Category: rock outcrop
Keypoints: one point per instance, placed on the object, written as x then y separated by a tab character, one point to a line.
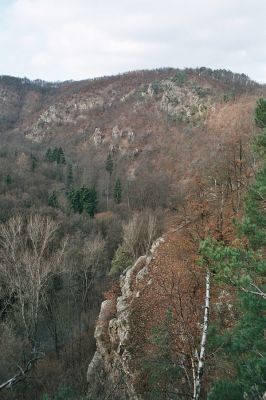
186	103
110	372
62	114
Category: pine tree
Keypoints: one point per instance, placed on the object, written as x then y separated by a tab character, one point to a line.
109	165
260	113
52	200
49	155
245	349
69	178
8	179
75	200
60	156
260	145
89	199
83	199
118	191
33	162
55	155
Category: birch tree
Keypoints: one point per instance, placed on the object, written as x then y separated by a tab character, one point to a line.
197	381
28	261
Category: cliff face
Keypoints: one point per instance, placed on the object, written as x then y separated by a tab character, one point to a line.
110	373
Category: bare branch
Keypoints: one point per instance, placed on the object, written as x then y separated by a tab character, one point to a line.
22	374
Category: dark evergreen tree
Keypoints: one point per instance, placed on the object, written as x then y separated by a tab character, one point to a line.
75	200
245	349
89	198
69	177
109	165
260	113
60	156
49	155
83	199
55	155
33	162
8	179
52	200
118	191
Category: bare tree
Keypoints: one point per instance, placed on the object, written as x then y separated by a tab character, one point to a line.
140	232
93	252
27	263
22	372
131	235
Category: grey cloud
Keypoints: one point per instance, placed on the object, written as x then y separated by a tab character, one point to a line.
64	39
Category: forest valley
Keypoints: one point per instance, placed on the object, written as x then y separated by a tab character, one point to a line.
132	237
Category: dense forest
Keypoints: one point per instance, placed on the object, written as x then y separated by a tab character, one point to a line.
92	174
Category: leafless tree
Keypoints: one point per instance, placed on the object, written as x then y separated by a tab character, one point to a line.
22	372
139	233
28	261
93	251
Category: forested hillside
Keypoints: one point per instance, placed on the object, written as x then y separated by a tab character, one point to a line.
93	173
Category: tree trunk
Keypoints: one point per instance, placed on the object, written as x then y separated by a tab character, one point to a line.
201	357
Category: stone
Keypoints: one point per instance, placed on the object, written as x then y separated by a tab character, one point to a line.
97	137
112	358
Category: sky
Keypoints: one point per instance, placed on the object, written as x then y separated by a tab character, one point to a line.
80	39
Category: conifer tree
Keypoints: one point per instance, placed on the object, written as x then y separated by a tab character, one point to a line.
52	200
83	199
75	200
49	155
60	156
69	178
8	179
118	191
260	113
33	162
109	165
89	198
55	155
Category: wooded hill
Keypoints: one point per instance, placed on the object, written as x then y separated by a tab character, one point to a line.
92	172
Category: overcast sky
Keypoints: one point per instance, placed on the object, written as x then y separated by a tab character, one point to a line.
79	39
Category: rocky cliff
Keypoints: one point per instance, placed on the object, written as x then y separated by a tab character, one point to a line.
110	373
